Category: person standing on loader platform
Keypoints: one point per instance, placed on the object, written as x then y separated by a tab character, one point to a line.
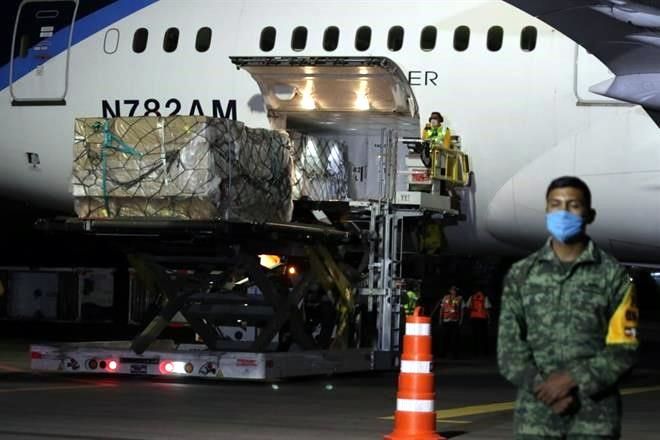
478	310
568	327
436	132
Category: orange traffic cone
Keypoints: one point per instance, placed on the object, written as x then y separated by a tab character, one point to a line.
414	418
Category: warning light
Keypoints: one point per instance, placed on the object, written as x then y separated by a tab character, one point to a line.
175	367
167	367
292	270
113	365
269	261
92	364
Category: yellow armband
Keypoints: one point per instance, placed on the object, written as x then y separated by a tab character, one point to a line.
624	321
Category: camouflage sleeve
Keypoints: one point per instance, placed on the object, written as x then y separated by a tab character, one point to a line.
514	355
621	349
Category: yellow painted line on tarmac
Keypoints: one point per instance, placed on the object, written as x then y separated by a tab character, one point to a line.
10	369
448	414
629	391
474	410
49	388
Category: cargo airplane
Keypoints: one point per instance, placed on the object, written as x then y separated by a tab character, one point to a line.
535	89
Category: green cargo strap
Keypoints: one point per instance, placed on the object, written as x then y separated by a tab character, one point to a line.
109	141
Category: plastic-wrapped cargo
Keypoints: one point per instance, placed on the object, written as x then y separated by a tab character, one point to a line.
319	167
186	167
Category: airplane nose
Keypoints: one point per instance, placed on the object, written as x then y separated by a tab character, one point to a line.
501	220
516	213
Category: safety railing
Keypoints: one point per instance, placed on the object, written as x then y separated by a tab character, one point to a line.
449	164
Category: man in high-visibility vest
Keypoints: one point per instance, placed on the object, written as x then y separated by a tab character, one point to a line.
478	310
439	135
450	319
436	132
410	301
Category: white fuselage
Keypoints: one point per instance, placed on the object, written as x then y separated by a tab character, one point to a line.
525	117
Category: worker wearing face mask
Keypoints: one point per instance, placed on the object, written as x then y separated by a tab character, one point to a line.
568	327
436	132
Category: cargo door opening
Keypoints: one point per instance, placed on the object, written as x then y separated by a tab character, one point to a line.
351	106
338	106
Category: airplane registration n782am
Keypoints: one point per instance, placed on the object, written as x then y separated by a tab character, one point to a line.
531	87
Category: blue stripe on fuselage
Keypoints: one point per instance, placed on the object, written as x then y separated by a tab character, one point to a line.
83	28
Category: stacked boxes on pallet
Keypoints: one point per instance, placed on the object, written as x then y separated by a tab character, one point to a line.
182	167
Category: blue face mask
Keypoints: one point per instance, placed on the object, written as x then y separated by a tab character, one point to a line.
564	225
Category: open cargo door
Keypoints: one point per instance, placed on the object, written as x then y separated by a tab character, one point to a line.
353	93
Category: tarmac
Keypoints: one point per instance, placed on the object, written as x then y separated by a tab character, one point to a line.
472	401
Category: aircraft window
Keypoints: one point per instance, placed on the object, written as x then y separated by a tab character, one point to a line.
528	38
461	38
111	41
395	38
140	40
267	40
495	37
171	40
203	40
331	38
428	38
299	38
363	38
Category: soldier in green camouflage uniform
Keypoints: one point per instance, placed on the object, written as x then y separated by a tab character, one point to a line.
567	329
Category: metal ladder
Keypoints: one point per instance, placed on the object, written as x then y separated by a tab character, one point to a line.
385	253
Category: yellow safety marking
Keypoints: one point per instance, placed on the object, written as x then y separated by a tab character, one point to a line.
475	410
447	414
629	391
470	410
10	369
51	388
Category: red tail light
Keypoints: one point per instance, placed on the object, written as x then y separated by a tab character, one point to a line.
166	367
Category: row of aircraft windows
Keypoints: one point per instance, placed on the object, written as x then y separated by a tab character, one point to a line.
427	41
171	40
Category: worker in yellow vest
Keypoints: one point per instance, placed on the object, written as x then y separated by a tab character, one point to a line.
478	310
436	132
410	301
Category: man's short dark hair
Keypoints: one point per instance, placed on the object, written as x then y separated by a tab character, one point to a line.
571	182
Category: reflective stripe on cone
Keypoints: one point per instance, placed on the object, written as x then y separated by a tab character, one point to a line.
413	405
415	329
416	366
